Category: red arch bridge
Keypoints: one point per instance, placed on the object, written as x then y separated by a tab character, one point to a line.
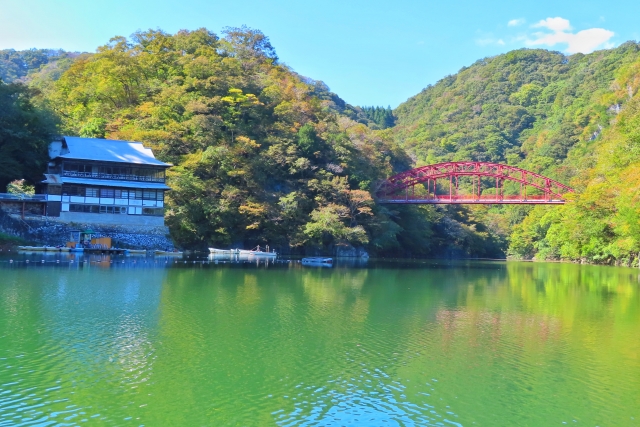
471	183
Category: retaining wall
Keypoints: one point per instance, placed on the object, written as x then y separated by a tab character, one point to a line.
42	230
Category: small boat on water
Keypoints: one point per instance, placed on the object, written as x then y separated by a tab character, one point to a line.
136	251
243	252
317	261
258	252
171	253
43	249
224	251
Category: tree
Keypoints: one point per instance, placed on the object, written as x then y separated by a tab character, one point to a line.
249	44
326	226
25	132
358	202
21	189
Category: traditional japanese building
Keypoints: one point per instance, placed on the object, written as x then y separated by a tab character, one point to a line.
105	181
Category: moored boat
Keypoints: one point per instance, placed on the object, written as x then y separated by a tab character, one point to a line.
318	261
261	253
172	253
136	251
224	251
257	252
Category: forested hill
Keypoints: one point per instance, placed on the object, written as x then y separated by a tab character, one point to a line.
262	155
24	65
573	118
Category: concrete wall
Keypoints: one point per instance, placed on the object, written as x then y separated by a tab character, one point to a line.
44	231
110	219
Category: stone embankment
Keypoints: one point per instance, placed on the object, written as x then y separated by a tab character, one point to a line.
45	231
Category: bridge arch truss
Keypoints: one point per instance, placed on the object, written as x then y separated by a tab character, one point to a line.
401	188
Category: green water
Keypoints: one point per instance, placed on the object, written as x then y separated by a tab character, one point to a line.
419	344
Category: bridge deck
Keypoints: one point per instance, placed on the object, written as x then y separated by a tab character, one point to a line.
445	199
401	188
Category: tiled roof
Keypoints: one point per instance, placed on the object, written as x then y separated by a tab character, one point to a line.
108	150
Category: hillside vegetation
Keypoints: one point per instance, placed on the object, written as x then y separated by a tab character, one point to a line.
25	65
261	154
264	155
572	118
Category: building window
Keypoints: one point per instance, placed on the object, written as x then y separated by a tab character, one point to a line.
107	193
160	196
91	191
83	208
113	209
149	194
122	194
55	190
73	190
77	167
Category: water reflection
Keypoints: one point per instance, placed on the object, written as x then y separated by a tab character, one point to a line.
421	343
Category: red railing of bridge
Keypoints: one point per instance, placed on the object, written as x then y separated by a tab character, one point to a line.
401	188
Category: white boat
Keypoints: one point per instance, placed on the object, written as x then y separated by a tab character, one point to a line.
257	252
136	251
318	261
224	251
170	253
261	253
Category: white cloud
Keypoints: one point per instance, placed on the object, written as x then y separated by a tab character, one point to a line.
554	24
515	22
584	41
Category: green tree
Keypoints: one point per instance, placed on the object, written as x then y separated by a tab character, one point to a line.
25	132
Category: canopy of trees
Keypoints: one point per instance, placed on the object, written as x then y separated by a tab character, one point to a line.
261	154
21	65
264	155
571	118
25	133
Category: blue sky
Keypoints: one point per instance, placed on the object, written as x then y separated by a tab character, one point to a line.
368	52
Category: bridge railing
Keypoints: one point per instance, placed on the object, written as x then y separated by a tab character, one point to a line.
469	198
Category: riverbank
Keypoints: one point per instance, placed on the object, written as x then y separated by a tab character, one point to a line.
44	231
10	243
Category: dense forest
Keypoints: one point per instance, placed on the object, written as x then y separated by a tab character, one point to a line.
261	154
264	155
572	118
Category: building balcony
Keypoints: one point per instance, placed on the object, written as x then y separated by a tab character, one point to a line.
23	198
140	178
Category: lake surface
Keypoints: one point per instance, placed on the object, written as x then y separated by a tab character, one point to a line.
158	343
